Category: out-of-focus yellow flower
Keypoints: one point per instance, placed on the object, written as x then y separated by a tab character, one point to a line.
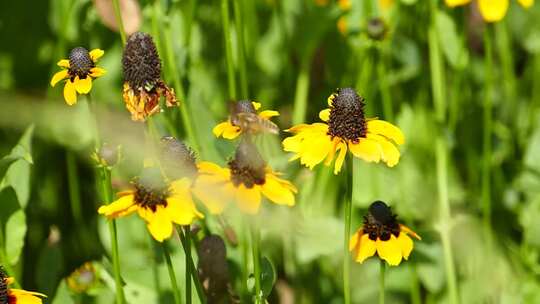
83	278
245	119
16	296
79	71
386	4
344	5
246	179
382	234
342	25
321	2
491	10
345	127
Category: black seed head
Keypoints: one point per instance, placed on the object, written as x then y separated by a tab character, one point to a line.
347	119
380	222
248	166
80	62
177	159
376	29
140	62
150	189
381	212
3	287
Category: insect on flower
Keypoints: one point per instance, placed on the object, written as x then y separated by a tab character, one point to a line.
245	119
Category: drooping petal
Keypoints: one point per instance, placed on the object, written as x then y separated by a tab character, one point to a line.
341	157
227	130
25	297
256	105
64	63
83	86
212	195
366	249
408	230
182	210
158	222
406	244
59	76
454	3
95	54
389	250
70	94
266	114
248	199
390	154
332	153
123	206
355	239
493	10
330	99
366	149
324	115
526	3
386	129
277	192
97	72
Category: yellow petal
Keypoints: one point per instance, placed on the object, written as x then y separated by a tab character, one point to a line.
213	197
389	250
97	72
332	152
182	210
70	94
367	149
366	249
408	230
493	10
387	4
256	105
120	207
341	157
387	130
248	200
266	114
292	143
25	297
330	99
406	244
454	3
526	3
276	191
95	54
158	222
324	115
83	86
227	130
64	63
59	76
390	154
355	238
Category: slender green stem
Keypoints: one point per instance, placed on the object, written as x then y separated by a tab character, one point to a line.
172	275
74	189
486	157
228	48
507	61
238	5
381	281
195	277
301	94
255	240
347	233
415	285
189	269
118	15
384	88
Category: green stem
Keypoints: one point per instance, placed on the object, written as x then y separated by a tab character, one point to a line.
228	48
488	117
118	15
241	48
507	62
74	189
381	281
106	188
255	240
172	275
189	269
415	286
385	89
301	93
347	233
194	276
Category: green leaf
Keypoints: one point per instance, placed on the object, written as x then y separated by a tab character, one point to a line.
21	151
15	233
268	276
63	295
450	42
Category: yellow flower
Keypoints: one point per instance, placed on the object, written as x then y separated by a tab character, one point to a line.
159	203
382	234
79	71
245	119
491	10
83	278
345	128
16	296
342	25
344	5
246	179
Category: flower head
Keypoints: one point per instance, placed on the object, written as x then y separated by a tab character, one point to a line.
382	234
377	29
16	296
78	71
142	78
158	202
246	179
83	278
245	119
491	10
345	127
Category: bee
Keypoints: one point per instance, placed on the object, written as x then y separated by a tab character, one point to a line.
244	115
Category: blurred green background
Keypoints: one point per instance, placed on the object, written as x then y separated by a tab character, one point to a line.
297	52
